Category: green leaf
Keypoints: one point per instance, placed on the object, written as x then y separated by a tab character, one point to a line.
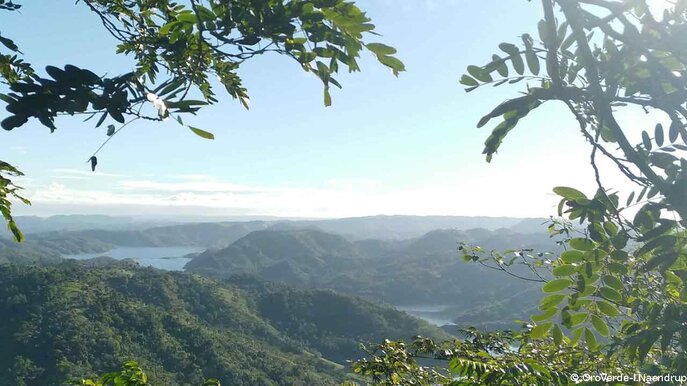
9	44
479	73
94	162
569	193
613	282
578	318
550	301
646	141
202	133
557	334
658	135
610	293
518	107
557	285
514	54
572	256
607	308
499	65
110	130
380	49
600	325
565	270
590	339
582	244
327	97
393	63
532	61
468	81
674	130
546	315
16	232
541	330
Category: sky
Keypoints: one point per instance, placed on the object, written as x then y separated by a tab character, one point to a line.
387	145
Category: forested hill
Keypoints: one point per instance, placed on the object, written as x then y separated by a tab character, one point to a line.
424	271
69	321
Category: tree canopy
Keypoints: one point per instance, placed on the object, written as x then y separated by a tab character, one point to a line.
180	48
616	298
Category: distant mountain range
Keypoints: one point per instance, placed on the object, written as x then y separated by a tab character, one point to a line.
136	232
403	260
267	299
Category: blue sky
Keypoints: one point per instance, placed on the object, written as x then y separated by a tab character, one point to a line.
388	145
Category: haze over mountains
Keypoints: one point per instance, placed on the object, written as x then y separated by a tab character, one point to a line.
402	260
301	294
371	227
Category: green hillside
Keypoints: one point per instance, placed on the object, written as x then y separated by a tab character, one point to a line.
71	320
422	271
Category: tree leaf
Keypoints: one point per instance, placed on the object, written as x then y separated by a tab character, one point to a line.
550	301
610	293
607	308
201	133
569	193
590	339
557	285
380	49
600	325
565	270
514	55
658	135
540	330
572	256
582	244
479	73
467	80
546	315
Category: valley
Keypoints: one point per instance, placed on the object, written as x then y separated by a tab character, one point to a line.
248	301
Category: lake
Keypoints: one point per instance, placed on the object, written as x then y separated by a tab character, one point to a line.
168	258
437	314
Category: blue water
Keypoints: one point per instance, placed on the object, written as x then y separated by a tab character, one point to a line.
169	258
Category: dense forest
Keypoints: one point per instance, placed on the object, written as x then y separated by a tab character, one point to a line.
73	320
422	270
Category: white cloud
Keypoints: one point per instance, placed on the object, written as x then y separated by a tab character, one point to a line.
336	201
65	173
200	185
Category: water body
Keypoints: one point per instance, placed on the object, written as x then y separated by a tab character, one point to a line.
168	258
436	314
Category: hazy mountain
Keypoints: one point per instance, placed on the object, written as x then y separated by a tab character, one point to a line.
292	256
404	227
198	234
75	222
424	270
221	234
47	248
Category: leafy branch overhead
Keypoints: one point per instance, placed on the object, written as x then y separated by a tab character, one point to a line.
596	64
620	285
10	191
188	44
183	51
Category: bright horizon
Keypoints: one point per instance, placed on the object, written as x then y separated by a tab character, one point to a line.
387	145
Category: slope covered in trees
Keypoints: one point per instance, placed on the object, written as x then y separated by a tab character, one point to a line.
425	270
69	321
